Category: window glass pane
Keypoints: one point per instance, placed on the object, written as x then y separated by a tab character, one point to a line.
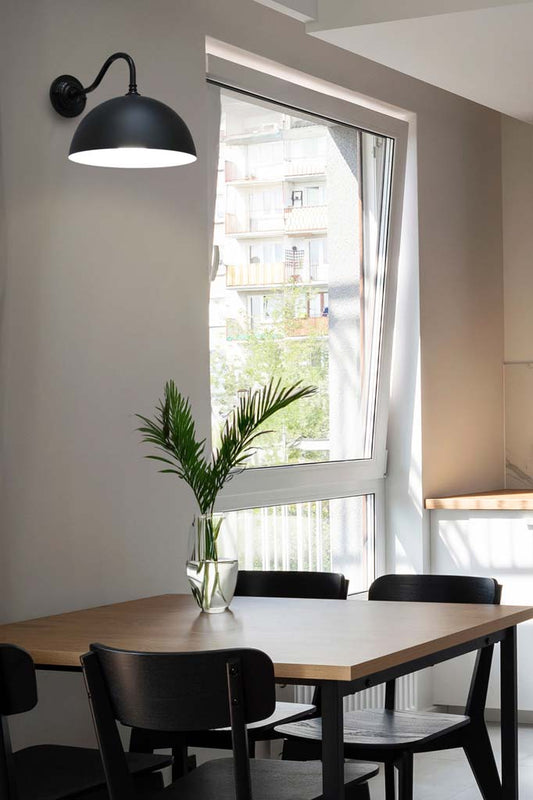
319	536
302	224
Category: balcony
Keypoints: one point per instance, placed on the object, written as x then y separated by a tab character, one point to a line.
297	328
260	274
308	218
300	167
266	173
245	225
274	274
309	326
276	172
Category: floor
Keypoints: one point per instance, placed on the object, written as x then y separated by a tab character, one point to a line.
447	776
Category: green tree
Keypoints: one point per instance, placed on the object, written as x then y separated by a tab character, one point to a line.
292	347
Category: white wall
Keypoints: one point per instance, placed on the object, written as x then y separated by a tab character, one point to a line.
304	10
105	295
342	13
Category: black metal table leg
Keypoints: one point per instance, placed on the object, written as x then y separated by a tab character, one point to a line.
332	742
509	721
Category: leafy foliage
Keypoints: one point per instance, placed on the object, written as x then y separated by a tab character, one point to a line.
288	348
173	432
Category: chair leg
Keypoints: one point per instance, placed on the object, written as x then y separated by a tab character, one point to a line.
390	784
361	792
303	750
140	741
478	750
405	777
180	766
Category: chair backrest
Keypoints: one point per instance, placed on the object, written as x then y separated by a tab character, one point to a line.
435	589
292	583
285	583
18	693
444	589
176	692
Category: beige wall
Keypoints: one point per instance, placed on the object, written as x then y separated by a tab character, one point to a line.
105	291
105	297
517	166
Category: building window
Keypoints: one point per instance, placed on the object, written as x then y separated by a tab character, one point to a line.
297	198
317	304
263	309
318	258
266	252
303	233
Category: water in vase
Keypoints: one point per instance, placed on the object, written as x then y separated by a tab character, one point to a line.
213	583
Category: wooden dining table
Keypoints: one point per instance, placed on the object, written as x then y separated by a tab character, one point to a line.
342	646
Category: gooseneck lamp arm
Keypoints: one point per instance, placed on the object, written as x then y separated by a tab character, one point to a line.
133	73
69	97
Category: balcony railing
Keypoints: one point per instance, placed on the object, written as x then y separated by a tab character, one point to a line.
308	218
297	328
309	326
304	166
291	220
260	274
260	172
272	274
275	172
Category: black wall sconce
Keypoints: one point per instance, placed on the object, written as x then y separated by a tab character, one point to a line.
129	131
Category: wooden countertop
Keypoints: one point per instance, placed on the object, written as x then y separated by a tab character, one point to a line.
504	500
306	639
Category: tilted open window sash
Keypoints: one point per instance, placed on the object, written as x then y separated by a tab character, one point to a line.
302	173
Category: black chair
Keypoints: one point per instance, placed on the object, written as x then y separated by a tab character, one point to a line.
52	772
393	737
279	583
195	691
254	583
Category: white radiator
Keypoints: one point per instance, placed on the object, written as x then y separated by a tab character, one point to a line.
406	695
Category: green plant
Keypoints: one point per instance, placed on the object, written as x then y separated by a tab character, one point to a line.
173	432
290	344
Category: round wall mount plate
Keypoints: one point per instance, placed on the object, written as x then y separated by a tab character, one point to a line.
67	96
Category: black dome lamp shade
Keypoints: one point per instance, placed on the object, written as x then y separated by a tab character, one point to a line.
128	131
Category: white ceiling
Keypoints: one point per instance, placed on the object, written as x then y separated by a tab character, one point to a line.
485	54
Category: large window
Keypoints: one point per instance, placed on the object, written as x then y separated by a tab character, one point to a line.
302	231
305	228
315	536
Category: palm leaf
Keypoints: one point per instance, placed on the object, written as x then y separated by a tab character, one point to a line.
173	432
241	428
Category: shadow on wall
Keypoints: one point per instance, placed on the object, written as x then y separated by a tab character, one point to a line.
518	381
407	526
4	561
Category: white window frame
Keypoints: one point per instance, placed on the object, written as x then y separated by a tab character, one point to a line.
267	486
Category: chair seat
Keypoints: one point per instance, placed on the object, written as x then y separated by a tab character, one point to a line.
263	729
52	772
289	712
378	728
271	780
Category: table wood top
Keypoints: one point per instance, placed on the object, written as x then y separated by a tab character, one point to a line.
306	639
504	500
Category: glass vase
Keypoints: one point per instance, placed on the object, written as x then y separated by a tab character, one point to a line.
212	564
